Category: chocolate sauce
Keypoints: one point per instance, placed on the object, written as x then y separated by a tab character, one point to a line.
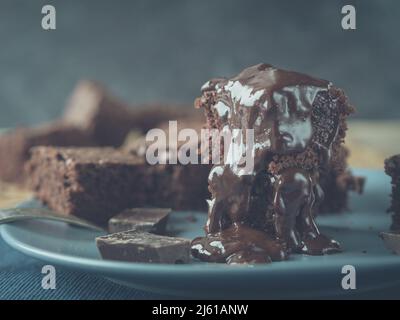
238	244
296	195
279	106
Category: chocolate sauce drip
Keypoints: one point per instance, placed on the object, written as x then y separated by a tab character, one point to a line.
296	195
281	107
238	244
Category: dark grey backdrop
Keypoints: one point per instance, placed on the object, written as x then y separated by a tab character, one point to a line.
165	49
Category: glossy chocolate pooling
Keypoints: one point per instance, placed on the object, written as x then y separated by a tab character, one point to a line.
263	214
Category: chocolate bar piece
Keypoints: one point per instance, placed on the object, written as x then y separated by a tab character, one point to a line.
392	241
97	183
139	246
149	219
392	169
109	120
15	145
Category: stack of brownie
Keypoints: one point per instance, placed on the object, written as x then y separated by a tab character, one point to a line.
336	179
392	168
92	117
81	164
299	125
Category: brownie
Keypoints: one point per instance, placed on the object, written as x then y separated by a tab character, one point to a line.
266	212
151	219
15	145
141	246
92	117
392	169
109	120
97	183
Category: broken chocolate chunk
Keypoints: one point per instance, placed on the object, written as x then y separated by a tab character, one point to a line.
141	246
149	219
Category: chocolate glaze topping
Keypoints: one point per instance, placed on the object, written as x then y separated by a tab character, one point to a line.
265	213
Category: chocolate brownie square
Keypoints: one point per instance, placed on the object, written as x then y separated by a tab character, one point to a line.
91	183
97	183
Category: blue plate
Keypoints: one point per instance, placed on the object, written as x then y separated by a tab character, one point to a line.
299	277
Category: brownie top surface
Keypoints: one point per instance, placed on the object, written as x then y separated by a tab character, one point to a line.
87	155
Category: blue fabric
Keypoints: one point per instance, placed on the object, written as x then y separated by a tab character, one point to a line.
20	278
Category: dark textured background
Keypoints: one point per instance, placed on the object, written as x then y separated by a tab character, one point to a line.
164	50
